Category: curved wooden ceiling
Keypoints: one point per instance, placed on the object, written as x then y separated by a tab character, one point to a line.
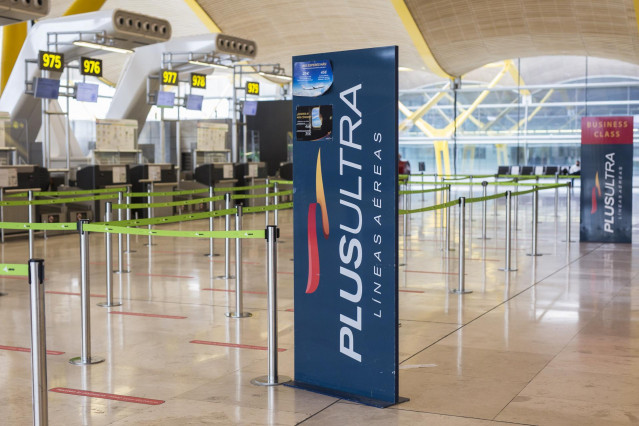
466	34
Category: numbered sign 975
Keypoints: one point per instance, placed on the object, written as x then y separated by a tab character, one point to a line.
50	61
252	88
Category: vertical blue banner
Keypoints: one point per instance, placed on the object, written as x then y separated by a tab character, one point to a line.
345	224
606	179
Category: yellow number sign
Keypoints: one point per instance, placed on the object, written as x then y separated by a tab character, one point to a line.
170	78
90	66
50	61
252	88
198	81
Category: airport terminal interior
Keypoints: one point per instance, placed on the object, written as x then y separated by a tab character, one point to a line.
347	212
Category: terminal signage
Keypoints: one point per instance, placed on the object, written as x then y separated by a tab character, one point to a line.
90	66
50	61
345	227
198	81
169	78
606	179
252	88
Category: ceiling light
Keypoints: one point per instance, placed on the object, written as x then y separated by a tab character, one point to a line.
281	76
101	47
208	64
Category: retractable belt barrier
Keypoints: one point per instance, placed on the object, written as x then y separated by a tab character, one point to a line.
58	200
63	193
13	269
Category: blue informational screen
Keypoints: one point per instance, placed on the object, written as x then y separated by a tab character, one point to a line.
46	88
345	225
165	99
249	108
85	92
194	102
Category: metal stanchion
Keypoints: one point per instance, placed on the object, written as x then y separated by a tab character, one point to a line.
2	215
211	220
227	241
38	343
535	218
422	187
31	220
109	261
275	201
85	355
239	309
507	267
495	202
448	222
149	214
128	217
470	188
272	378
484	186
121	268
462	249
568	188
267	200
556	193
516	204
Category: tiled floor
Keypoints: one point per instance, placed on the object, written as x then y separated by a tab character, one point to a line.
554	343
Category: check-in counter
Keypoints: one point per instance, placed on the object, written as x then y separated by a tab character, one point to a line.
218	175
158	178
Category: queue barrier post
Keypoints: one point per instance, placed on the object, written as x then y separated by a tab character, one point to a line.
516	204
535	222
149	214
227	241
422	187
128	217
484	185
121	267
448	222
568	212
556	193
461	289
38	343
272	378
211	220
268	182
470	188
276	202
508	249
109	260
239	308
31	220
85	357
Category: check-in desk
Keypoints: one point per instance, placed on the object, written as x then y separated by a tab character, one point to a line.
98	176
15	179
251	174
217	175
157	178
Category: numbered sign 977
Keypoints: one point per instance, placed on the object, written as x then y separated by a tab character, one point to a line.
50	61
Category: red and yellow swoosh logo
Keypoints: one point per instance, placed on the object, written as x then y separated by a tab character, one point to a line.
596	191
313	250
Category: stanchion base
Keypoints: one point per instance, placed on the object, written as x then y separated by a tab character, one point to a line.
130	251
108	305
121	272
211	255
263	381
456	291
508	270
224	277
149	245
240	315
92	360
534	254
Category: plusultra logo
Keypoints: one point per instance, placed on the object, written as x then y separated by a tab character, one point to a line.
596	193
313	249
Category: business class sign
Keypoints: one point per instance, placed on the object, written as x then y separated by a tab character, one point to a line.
606	179
345	219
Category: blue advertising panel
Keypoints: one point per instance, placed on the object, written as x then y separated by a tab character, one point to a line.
46	88
86	92
606	179
194	102
345	227
165	99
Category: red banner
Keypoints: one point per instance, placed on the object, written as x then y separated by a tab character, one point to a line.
606	130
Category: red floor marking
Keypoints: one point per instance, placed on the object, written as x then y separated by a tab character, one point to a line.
138	314
115	397
233	291
428	272
285	272
411	291
18	349
68	293
13	277
233	345
290	310
164	276
244	263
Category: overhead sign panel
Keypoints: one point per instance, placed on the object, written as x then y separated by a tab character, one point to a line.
91	66
252	88
198	81
606	179
345	220
169	78
50	61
